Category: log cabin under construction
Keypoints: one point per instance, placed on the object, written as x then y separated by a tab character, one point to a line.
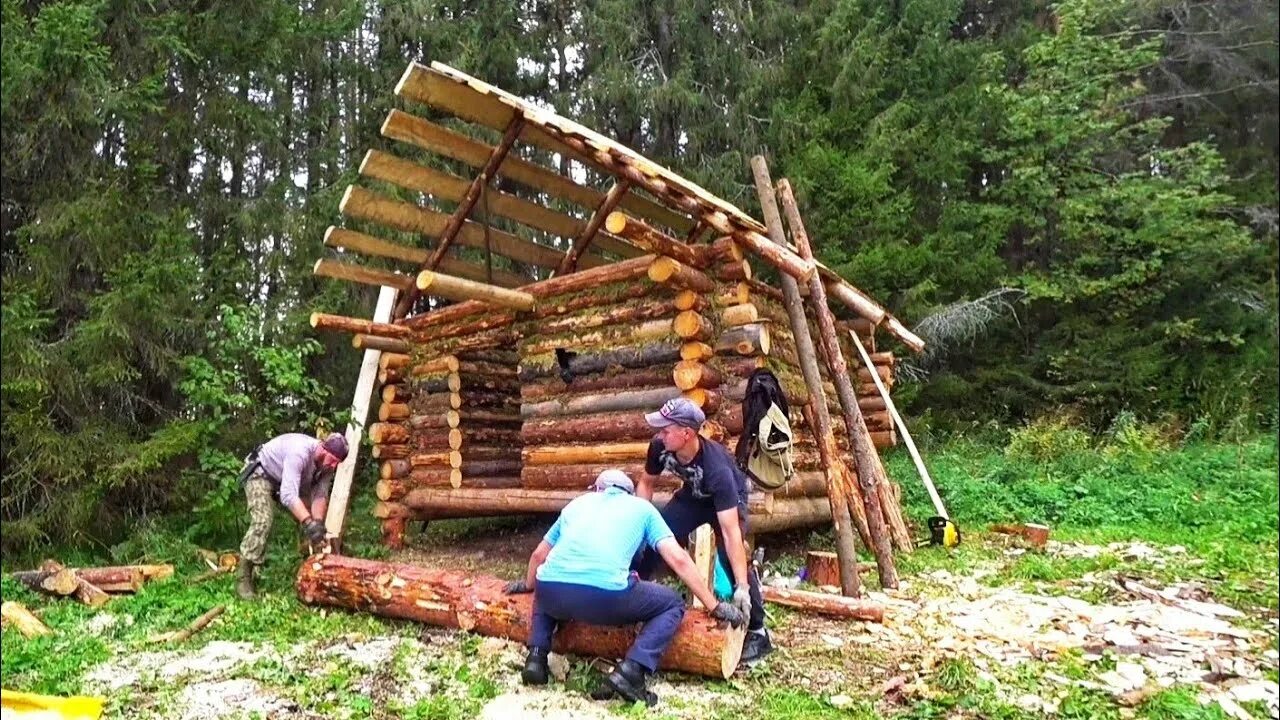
580	298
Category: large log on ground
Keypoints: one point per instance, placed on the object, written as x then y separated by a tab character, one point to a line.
635	400
630	379
845	608
586	363
477	603
603	427
21	618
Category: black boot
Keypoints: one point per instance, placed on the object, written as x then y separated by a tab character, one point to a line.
628	680
535	667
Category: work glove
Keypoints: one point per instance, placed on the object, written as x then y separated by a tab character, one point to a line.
517	587
742	600
314	531
730	614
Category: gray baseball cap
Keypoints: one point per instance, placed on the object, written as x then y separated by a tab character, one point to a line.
615	478
677	411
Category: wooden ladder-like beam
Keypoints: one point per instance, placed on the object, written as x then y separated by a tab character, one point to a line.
465	207
583	241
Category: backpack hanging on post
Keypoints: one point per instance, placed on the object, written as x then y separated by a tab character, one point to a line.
764	451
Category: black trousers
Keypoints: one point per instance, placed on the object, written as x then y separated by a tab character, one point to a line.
683	516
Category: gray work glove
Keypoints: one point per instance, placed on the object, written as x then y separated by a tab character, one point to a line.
742	600
314	531
517	587
728	613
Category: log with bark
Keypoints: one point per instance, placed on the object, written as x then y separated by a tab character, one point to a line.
643	311
477	603
624	271
692	327
645	236
590	404
611	337
751	339
342	323
690	374
738	293
697	351
616	379
581	476
600	427
743	314
845	608
594	299
821	568
376	342
733	271
586	363
673	273
691	300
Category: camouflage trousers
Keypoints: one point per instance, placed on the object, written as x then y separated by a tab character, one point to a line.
261	498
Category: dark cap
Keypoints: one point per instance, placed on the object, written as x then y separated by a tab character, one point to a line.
336	444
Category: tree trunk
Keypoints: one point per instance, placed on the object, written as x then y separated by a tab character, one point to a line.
870	472
837	494
844	608
821	568
478	604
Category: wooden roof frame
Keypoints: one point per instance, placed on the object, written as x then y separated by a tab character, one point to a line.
688	210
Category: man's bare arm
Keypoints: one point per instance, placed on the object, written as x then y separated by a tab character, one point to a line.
644	486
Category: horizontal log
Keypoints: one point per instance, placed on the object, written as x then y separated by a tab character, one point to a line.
836	606
629	379
723	249
376	342
578	454
644	332
452	287
603	427
377	247
479	604
649	309
691	300
707	400
752	339
635	400
581	476
342	323
492	320
394	361
362	204
696	350
692	327
497	338
585	363
388	433
739	315
669	271
360	274
393	411
494	400
624	271
738	293
601	297
690	374
738	271
646	237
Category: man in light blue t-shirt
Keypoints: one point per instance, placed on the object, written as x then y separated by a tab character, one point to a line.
581	571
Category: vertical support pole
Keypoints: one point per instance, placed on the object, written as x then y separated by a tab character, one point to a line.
704	557
838	490
336	518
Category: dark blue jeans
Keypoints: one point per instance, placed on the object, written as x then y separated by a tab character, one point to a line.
659	607
683	516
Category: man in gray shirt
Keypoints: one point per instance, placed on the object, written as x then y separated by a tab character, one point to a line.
297	470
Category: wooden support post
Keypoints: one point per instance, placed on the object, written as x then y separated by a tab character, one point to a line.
704	557
583	241
837	493
464	208
871	475
339	497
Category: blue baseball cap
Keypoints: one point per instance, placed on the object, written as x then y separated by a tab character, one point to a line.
677	411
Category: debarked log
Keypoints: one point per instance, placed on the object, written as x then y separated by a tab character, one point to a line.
594	453
477	603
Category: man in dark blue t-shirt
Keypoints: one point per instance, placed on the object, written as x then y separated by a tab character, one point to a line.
714	492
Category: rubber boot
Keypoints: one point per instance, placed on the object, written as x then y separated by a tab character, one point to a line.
244	585
535	667
628	680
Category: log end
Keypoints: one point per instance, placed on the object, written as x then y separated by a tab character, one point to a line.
615	222
368	155
662	268
346	198
425	278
